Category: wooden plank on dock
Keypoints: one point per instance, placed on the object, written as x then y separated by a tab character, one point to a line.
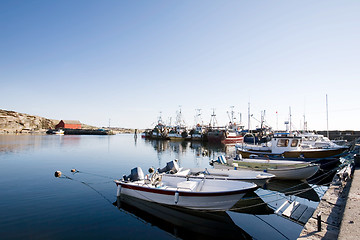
298	212
290	209
306	215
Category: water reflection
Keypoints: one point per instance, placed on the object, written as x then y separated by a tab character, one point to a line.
183	223
252	204
251	218
180	148
21	143
299	189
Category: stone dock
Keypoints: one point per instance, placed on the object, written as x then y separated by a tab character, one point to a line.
338	210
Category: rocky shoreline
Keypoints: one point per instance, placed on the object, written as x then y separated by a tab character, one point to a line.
12	122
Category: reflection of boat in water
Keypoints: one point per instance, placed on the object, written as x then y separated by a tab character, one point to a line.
295	188
183	223
252	204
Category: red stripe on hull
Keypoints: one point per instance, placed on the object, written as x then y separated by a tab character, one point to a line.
192	194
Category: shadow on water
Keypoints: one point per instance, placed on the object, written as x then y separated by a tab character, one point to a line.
251	203
183	223
294	188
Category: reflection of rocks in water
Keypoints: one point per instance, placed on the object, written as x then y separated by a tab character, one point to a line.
183	223
294	188
251	203
19	143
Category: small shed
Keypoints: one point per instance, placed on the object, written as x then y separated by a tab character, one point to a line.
71	124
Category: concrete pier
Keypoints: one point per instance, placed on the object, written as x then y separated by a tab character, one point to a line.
350	224
338	210
328	214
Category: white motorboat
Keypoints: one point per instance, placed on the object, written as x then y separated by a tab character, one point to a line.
282	169
202	194
288	146
259	178
59	132
294	173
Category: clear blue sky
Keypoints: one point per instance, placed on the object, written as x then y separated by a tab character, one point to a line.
129	60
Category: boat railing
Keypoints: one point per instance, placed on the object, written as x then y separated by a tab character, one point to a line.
244	138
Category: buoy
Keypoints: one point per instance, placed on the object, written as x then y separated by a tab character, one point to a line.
151	170
57	174
73	170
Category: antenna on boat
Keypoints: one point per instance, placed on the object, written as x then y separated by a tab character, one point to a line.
289	119
327	117
213	118
249	117
198	119
232	118
160	119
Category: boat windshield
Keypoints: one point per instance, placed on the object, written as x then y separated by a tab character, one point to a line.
294	142
283	143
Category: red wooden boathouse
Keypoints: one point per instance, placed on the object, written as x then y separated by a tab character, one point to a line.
70	124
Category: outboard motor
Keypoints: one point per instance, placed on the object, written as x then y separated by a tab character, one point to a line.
171	167
136	174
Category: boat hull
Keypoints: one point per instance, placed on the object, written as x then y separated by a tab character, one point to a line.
314	153
289	173
214	200
259	178
300	173
233	139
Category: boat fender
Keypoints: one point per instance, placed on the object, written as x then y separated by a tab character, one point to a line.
176	197
57	174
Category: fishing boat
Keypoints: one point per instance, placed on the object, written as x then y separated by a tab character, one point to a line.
288	146
223	135
197	133
282	169
177	133
259	178
201	194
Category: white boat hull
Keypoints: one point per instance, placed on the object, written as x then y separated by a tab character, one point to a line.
299	173
289	173
259	178
221	196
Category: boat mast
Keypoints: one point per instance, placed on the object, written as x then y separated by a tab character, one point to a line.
249	117
289	119
198	119
213	118
327	117
232	118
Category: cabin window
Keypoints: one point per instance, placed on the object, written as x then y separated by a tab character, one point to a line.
283	142
294	142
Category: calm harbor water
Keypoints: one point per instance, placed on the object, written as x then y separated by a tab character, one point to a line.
36	205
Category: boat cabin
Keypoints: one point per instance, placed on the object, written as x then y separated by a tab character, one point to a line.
281	143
